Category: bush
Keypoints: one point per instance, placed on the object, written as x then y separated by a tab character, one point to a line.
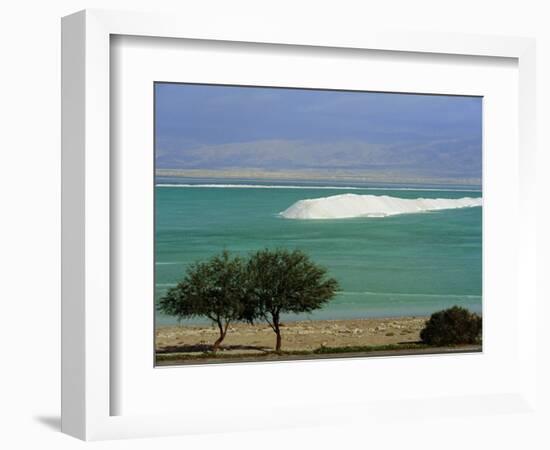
452	326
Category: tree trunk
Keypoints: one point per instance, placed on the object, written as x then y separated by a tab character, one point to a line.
223	332
277	330
278	343
216	345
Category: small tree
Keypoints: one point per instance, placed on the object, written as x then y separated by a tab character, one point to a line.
215	289
283	281
452	326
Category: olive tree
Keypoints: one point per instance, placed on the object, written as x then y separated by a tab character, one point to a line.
283	281
215	289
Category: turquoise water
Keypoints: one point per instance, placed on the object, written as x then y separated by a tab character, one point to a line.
411	264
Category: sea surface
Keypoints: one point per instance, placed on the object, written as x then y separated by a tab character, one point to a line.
402	265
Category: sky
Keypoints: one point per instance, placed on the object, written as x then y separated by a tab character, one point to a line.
273	129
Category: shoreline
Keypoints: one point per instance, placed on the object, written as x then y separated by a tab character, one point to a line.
342	175
291	318
297	335
305	339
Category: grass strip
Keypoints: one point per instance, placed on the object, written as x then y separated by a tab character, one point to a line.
267	355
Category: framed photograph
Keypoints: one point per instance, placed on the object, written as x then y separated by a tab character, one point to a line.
337	220
244	209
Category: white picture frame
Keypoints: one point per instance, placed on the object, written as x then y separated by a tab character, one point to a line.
88	386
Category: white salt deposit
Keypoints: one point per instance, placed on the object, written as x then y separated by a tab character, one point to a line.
347	206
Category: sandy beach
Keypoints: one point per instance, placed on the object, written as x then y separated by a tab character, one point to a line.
301	340
252	340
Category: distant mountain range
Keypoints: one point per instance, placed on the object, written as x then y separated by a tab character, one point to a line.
447	161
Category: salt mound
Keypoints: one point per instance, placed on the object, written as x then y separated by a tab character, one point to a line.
346	206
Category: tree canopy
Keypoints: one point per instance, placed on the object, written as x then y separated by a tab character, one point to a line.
216	289
283	281
269	283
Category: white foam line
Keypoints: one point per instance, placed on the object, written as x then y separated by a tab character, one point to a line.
264	186
367	293
400	294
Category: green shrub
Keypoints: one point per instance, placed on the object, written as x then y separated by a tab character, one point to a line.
453	326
